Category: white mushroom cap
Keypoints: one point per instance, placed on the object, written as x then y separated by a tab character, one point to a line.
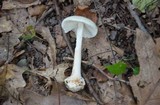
71	23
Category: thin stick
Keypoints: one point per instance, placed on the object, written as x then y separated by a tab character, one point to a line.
136	17
92	90
45	13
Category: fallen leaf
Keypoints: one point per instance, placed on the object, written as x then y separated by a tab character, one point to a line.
40	47
12	76
37	10
21	20
3	54
45	32
60	42
107	93
26	1
82	2
145	85
5	25
86	12
57	72
157	49
12	4
31	98
9	39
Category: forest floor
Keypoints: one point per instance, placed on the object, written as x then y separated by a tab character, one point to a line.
120	65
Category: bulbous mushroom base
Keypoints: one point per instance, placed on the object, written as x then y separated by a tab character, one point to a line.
74	84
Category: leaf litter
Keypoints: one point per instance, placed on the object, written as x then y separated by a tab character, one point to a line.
34	69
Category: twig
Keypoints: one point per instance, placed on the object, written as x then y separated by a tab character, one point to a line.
59	18
100	70
136	17
91	90
45	13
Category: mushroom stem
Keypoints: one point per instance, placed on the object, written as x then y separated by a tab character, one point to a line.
76	71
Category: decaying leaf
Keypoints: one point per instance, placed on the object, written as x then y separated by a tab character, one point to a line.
12	4
5	25
3	54
26	1
40	47
157	49
31	98
8	40
60	42
11	76
145	85
37	10
107	94
45	32
57	72
82	2
86	12
15	79
20	19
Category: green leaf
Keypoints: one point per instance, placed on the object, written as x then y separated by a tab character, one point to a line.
117	68
29	33
136	70
144	5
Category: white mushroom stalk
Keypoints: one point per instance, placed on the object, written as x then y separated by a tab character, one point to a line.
83	27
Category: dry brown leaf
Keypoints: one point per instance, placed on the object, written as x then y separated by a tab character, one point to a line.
86	12
5	26
145	85
60	42
57	72
82	2
31	98
21	20
26	1
45	32
40	47
12	4
158	46
107	93
12	76
3	54
37	10
10	39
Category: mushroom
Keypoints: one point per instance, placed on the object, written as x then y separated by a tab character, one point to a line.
83	27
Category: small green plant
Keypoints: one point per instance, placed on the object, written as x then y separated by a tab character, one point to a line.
120	68
136	70
117	68
29	33
145	5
